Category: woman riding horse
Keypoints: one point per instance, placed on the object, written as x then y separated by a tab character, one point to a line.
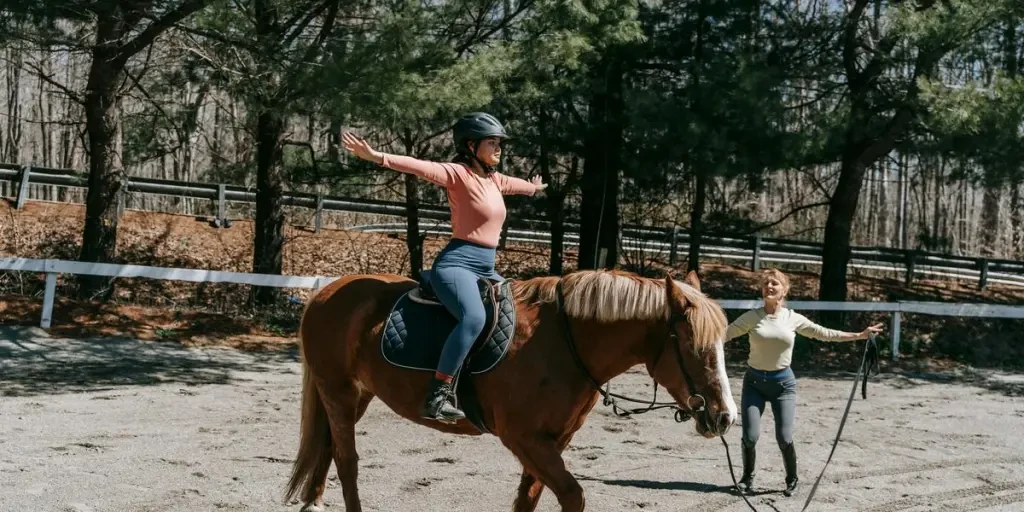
773	330
478	211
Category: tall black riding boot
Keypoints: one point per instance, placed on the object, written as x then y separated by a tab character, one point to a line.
438	405
746	484
789	459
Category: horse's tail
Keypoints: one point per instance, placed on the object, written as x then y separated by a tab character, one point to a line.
314	457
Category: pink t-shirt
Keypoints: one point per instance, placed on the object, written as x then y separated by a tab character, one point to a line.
478	208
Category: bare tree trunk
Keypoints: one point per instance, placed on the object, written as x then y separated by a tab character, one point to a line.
269	240
12	143
268	247
839	226
1016	221
900	240
989	232
883	205
697	220
555	196
45	114
924	198
862	148
937	231
701	170
872	209
102	101
105	198
413	239
334	146
599	210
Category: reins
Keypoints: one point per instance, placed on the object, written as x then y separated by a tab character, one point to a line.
610	398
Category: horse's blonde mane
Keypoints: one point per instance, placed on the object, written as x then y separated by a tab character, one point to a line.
611	296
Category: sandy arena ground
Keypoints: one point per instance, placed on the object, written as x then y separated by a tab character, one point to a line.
122	425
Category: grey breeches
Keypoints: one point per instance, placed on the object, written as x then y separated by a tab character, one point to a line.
779	389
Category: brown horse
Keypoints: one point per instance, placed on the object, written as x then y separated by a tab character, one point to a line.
617	320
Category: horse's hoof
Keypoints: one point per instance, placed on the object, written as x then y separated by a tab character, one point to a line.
312	507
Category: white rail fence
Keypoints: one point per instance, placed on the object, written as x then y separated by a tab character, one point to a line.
53	268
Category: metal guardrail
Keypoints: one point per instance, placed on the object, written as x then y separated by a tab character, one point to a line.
711	249
753	249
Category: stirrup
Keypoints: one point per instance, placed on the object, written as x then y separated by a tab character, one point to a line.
438	406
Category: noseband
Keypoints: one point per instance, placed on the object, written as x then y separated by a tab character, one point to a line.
681	415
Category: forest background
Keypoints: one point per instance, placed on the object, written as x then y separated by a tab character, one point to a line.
849	122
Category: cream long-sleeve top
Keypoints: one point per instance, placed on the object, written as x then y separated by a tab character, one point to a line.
772	336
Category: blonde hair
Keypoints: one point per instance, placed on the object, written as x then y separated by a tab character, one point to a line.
612	295
777	274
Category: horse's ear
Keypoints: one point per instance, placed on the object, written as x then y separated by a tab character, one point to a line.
675	295
691	279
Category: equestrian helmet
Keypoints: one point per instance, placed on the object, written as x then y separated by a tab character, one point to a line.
475	127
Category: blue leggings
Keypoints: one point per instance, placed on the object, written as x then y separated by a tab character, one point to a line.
777	388
454	278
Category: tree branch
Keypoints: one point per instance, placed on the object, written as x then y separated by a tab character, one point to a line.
300	25
138	84
786	216
63	88
924	63
220	38
307	145
850	42
294	89
478	36
146	38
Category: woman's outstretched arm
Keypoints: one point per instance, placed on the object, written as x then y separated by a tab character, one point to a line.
442	174
807	328
510	185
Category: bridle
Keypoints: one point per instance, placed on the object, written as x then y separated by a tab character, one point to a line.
681	414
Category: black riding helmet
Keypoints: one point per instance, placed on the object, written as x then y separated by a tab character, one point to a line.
475	127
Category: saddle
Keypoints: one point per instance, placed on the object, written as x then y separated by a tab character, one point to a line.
419	324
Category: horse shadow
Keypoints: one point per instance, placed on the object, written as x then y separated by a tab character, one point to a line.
32	363
702	487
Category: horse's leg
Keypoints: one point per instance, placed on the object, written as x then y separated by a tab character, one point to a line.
542	456
530	488
345	408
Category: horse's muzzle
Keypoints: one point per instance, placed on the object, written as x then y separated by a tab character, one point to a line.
711	425
723	421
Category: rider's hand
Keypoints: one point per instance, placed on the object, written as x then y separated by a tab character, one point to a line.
538	182
361	148
874	329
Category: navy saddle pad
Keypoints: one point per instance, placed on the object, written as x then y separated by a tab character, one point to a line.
418	326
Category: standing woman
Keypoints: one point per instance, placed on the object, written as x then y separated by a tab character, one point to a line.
475	196
773	329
